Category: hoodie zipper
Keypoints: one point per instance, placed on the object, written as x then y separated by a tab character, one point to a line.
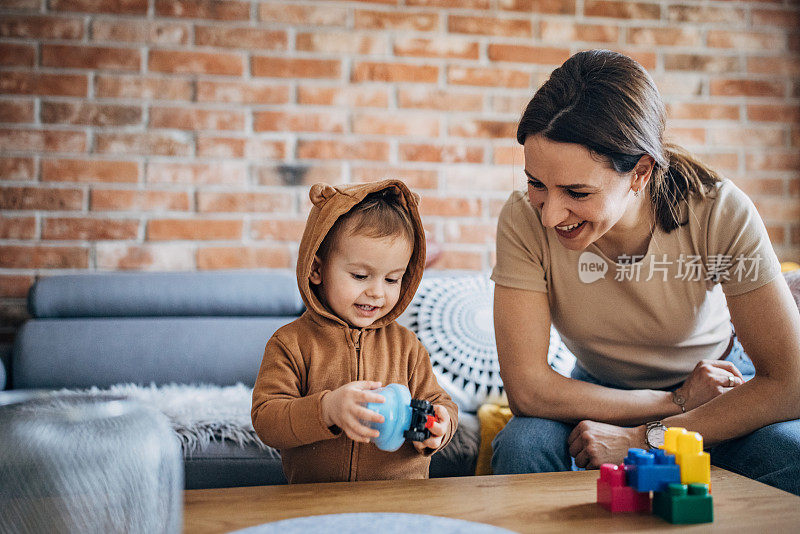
357	346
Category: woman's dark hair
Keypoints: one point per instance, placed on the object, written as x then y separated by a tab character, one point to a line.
608	103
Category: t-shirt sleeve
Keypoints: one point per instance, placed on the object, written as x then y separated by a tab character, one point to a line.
521	247
740	255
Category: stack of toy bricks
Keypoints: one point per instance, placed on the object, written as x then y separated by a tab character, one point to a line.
678	475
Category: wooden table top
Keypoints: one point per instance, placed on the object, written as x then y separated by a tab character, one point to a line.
546	502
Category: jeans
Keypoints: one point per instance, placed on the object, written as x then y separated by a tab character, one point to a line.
770	454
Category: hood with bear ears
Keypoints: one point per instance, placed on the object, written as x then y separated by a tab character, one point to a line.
330	203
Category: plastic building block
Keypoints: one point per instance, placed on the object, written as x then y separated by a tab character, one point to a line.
403	417
615	496
684	505
671	439
694	463
651	471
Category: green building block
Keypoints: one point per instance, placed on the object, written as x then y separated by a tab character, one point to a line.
684	505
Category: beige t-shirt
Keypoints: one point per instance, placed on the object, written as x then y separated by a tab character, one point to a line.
645	322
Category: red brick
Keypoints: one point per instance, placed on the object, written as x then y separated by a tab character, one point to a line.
351	150
22	5
508	155
88	229
227	173
17	168
714	64
16	111
396	20
414	178
143	144
421	97
777	209
41	27
242	92
789	113
686	136
13	286
709	14
514	105
746	87
488	77
124	200
661	36
772	18
644	58
196	119
193	229
123	257
505	27
368	71
782	66
342	43
142	87
346	97
747	137
90	114
313	15
275	67
455	153
141	31
477	233
80	170
299	174
85	57
120	7
725	161
203	9
239	37
484	129
208	201
42	140
774	160
17	227
237	147
446	47
777	234
43	257
277	257
17	55
702	111
621	9
460	260
184	62
278	229
33	198
396	124
550	7
460	4
278	121
681	84
567	31
745	40
30	83
528	54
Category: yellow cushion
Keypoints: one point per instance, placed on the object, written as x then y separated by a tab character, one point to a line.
493	418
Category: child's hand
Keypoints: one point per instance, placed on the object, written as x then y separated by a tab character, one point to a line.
438	429
345	408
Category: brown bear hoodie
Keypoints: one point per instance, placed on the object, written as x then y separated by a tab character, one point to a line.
319	352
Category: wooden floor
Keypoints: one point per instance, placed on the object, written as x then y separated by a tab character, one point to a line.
547	502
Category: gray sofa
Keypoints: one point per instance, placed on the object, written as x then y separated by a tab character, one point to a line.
187	328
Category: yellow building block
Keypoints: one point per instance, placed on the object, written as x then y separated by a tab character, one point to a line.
671	439
695	464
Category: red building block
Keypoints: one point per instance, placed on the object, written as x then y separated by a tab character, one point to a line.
614	495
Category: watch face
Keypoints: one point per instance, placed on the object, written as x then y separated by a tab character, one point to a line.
655	436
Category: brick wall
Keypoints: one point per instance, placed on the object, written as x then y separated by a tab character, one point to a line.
183	134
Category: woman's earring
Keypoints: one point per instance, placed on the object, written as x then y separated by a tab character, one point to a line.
636	192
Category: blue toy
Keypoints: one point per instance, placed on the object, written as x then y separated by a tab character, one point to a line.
403	417
652	471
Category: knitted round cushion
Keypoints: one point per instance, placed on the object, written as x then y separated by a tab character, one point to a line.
452	317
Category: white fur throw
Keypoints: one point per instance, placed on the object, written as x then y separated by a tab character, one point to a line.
198	414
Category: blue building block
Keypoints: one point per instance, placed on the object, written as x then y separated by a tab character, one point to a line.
651	471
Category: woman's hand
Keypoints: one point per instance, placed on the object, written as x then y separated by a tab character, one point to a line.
593	444
346	408
438	429
709	379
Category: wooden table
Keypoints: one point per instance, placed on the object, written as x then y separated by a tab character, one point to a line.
547	502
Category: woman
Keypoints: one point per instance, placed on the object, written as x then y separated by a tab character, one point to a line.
641	257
